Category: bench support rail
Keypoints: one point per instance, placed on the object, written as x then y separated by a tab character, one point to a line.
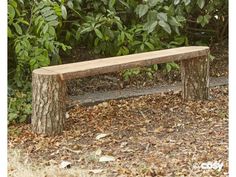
48	109
195	78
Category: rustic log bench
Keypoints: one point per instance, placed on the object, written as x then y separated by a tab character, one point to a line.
49	88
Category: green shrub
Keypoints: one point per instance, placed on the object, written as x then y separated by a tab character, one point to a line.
19	106
32	34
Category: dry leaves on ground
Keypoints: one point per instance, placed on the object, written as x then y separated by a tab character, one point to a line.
155	135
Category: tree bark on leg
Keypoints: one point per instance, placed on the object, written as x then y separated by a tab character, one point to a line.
195	78
48	102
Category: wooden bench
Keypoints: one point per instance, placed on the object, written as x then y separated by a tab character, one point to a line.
49	88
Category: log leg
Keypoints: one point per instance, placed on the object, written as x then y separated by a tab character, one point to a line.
195	78
48	102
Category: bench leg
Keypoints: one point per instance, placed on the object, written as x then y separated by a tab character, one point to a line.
195	78
48	104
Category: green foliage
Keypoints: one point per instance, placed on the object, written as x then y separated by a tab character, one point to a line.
32	36
207	21
127	27
19	105
148	71
171	66
129	73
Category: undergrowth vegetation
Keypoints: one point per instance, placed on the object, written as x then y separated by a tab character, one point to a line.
39	32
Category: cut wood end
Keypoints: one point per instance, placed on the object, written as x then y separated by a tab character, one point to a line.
42	71
196	48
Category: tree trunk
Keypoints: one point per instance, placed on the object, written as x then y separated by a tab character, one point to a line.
48	99
195	78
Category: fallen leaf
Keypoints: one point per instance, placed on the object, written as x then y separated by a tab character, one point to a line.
123	144
98	152
52	162
127	149
106	158
159	129
65	164
67	115
101	135
170	130
96	171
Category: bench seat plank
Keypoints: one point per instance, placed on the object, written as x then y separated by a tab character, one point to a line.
113	64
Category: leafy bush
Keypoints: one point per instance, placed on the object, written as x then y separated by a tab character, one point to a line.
32	36
19	106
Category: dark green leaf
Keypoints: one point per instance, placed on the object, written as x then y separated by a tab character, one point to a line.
142	47
52	31
63	12
141	10
11	12
85	30
150	46
174	65
43	60
199	19
130	37
124	3
9	33
37	20
176	2
13	3
98	33
12	116
47	13
150	26
21	20
168	67
165	26
152	3
203	20
70	4
32	62
201	3
180	18
40	25
155	67
45	29
18	48
174	22
17	28
111	3
51	18
162	16
46	9
186	2
152	16
53	23
122	37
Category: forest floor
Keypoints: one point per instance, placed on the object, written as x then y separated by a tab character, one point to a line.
153	135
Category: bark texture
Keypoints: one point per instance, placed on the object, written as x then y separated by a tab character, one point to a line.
48	99
195	78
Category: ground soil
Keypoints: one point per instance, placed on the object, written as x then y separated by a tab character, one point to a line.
156	135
